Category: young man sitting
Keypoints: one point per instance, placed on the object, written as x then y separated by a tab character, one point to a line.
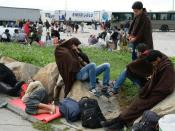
137	71
74	65
160	85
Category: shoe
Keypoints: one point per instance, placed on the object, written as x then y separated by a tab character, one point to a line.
113	125
95	92
109	122
104	92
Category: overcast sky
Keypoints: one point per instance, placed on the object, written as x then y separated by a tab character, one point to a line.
89	5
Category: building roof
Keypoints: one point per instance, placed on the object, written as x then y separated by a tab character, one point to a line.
19	8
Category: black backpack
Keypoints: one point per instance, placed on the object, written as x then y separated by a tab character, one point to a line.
7	76
148	122
8	82
91	114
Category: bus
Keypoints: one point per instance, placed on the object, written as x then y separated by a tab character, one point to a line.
163	21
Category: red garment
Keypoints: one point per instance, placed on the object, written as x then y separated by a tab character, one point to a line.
26	28
23	89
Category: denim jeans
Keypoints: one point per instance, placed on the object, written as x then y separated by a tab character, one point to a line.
90	71
121	79
134	53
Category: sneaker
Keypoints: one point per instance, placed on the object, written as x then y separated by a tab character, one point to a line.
94	92
104	92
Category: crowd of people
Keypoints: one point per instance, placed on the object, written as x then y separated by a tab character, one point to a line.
150	70
26	32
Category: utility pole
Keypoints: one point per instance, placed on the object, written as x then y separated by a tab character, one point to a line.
65	9
173	5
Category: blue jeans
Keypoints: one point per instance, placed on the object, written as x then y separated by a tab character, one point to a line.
121	79
90	71
134	53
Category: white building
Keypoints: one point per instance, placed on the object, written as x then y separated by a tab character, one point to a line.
13	14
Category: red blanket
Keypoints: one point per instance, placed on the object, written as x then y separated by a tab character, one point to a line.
42	117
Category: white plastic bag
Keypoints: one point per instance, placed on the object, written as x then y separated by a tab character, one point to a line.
167	123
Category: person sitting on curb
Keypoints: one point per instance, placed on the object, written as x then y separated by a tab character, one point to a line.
74	65
160	85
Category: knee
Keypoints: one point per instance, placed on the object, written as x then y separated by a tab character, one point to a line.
92	65
107	65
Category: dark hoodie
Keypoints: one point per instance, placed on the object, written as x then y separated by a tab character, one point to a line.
69	62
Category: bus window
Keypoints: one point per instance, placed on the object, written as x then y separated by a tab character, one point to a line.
153	17
173	16
163	16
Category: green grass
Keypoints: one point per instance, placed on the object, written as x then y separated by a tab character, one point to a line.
42	127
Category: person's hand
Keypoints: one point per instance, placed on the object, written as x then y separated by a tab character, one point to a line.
149	77
75	48
132	39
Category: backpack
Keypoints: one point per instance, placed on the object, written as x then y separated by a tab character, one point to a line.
148	122
7	76
91	114
69	109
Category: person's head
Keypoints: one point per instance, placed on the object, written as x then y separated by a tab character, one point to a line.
48	33
6	30
75	43
16	31
141	48
154	57
121	26
72	43
137	8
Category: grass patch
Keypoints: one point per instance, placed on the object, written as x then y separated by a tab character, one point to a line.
42	127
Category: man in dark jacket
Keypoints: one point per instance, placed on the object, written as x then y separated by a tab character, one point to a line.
140	30
160	85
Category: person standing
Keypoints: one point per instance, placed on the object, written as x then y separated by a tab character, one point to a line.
140	30
47	25
82	27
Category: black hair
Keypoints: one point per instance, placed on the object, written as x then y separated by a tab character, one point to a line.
16	31
137	5
6	30
153	55
76	41
142	47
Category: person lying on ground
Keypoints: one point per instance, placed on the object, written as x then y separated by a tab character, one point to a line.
74	65
36	99
160	85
